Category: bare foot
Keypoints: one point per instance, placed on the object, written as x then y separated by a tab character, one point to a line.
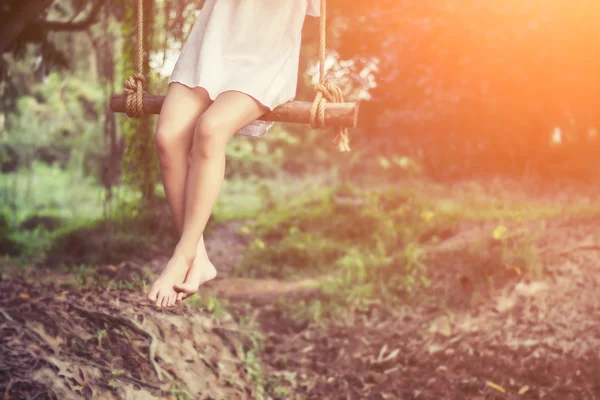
162	292
200	272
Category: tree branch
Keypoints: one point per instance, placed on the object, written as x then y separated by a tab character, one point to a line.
17	20
59	26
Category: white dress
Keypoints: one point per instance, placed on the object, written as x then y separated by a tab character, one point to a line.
251	46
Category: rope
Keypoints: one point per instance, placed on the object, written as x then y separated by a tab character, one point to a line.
135	84
327	91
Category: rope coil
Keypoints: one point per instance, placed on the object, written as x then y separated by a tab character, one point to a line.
327	91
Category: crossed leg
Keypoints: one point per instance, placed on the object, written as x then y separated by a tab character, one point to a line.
193	189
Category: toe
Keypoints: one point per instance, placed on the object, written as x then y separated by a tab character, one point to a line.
179	297
165	301
152	294
172	299
159	299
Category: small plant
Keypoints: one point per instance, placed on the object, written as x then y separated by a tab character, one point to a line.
519	253
502	255
180	391
211	304
253	368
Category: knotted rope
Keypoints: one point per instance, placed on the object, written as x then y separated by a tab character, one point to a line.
135	85
327	91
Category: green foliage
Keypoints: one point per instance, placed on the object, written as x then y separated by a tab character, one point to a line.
57	122
368	243
56	215
50	191
239	199
8	244
211	304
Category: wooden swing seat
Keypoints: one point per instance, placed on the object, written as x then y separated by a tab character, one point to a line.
336	114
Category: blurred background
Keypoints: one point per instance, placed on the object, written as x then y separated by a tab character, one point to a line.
467	203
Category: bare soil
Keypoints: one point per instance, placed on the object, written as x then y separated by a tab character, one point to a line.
89	343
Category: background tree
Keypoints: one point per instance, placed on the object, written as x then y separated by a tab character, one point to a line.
479	86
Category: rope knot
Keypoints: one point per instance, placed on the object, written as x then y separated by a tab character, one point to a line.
328	92
135	87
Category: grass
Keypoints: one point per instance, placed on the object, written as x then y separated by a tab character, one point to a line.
366	242
49	190
211	304
369	241
371	244
65	204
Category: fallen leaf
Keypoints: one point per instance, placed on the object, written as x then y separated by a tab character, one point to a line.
441	326
52	341
494	386
61	297
515	268
384	162
24	296
446	329
449	352
500	232
524	390
427	216
435	348
381	352
77	388
307	349
111	268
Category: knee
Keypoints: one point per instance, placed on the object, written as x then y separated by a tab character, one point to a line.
169	145
210	137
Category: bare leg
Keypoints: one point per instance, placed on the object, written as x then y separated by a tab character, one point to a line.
230	112
174	136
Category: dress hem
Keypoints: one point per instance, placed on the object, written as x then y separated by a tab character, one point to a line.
213	97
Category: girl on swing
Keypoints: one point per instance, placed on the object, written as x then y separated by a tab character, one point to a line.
239	61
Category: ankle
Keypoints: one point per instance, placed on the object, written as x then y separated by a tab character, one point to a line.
201	257
189	256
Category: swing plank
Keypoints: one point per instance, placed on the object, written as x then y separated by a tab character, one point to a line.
336	114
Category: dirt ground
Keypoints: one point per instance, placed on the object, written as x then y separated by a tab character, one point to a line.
109	344
521	339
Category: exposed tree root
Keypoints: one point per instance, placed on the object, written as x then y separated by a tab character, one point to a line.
131	324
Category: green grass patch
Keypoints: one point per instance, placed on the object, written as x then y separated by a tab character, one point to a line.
321	231
211	304
51	191
369	244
